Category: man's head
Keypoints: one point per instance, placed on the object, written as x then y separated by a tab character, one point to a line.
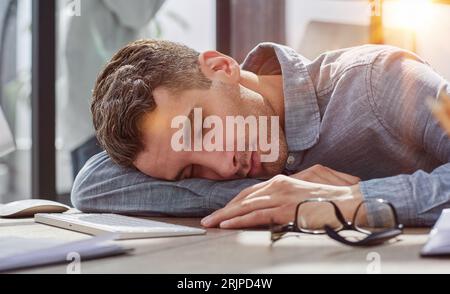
148	83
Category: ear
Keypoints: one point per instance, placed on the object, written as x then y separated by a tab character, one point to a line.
219	67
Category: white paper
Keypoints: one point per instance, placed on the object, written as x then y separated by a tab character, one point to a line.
6	139
18	253
439	239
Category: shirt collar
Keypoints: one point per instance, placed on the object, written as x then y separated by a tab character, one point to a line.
302	117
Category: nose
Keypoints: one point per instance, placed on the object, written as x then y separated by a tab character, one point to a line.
227	165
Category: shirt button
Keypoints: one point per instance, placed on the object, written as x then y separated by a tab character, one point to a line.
290	159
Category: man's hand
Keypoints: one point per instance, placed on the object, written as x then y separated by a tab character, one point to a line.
324	175
276	199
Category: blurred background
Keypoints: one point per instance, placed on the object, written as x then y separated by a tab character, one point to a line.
52	50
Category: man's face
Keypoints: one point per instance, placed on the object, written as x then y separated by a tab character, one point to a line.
222	100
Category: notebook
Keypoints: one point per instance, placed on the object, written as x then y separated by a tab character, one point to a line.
438	243
21	252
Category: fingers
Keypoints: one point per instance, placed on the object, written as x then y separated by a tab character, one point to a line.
324	175
351	180
238	209
247	191
252	219
335	178
252	198
320	175
245	209
319	178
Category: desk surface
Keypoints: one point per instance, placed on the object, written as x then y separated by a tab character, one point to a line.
225	251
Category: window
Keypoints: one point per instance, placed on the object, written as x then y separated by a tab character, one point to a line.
313	27
89	33
15	90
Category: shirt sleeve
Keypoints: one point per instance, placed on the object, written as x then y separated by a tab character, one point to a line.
400	83
104	187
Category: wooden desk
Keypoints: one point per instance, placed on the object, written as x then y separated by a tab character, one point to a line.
223	251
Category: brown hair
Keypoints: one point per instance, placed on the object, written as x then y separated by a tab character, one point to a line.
123	92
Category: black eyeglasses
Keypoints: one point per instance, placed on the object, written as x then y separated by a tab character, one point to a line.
380	225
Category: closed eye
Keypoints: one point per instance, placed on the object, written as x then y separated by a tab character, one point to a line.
185	173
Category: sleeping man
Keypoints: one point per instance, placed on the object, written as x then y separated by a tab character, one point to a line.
197	134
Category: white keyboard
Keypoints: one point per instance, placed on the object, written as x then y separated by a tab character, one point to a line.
124	227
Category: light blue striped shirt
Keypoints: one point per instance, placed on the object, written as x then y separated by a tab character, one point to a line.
359	110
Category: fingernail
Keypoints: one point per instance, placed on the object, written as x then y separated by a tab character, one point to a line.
206	221
224	224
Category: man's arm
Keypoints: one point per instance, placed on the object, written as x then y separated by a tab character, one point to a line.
400	85
102	186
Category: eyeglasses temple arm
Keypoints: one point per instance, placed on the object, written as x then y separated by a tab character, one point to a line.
370	240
